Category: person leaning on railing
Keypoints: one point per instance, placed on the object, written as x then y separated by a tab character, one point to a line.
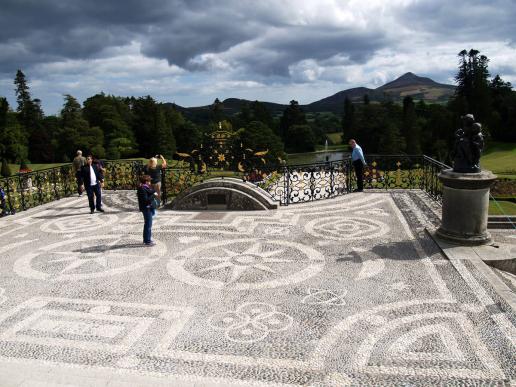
357	158
154	171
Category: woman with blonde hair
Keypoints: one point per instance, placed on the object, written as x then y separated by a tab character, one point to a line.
154	171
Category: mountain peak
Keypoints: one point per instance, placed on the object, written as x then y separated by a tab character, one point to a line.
409	75
409	79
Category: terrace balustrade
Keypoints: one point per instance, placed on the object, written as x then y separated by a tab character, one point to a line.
287	184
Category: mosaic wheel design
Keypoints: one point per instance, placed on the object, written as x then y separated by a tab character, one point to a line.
246	264
78	223
86	258
346	228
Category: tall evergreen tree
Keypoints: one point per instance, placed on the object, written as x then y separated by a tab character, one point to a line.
472	93
113	116
75	132
503	117
22	92
153	133
259	112
217	111
293	115
30	112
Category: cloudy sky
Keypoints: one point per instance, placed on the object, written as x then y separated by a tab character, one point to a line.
192	51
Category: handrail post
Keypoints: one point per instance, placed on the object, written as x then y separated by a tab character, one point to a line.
287	183
164	185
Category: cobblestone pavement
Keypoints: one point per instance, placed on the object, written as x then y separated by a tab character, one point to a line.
347	291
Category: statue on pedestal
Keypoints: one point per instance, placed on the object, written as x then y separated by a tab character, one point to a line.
469	143
466	189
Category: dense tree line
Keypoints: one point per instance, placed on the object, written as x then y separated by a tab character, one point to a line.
122	127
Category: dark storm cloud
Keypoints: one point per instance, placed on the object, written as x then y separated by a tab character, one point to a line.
179	31
48	30
472	20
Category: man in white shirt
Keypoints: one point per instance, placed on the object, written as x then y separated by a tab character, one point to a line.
93	178
357	158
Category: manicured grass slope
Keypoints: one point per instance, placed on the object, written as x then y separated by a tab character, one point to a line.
500	158
501	207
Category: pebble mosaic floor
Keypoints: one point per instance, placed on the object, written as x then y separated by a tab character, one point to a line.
347	291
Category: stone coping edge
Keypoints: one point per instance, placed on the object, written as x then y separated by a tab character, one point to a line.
456	253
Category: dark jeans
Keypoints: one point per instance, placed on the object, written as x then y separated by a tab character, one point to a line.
147	226
79	184
94	189
359	172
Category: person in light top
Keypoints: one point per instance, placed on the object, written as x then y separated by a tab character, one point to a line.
154	171
357	158
93	177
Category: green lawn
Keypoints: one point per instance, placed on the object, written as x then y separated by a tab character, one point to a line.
35	167
343	147
502	208
336	138
38	167
500	158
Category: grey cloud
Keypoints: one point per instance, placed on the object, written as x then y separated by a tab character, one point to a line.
473	20
174	30
56	29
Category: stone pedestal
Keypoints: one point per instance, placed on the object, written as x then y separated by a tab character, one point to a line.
465	207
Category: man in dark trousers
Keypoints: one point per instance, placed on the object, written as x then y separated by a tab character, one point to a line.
357	158
78	162
93	177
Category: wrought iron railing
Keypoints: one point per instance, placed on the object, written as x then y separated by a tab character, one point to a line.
122	174
431	183
308	182
176	180
27	190
393	171
288	184
30	189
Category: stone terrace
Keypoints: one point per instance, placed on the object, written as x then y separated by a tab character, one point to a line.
347	291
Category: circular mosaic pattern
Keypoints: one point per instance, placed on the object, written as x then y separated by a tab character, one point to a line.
344	228
78	223
89	257
246	264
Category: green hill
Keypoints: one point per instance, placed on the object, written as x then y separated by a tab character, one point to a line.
500	158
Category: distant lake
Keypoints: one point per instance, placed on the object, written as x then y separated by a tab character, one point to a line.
316	157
